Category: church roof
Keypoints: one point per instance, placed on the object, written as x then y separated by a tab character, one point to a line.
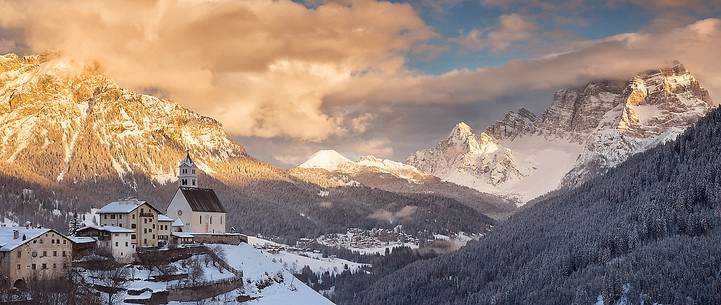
202	200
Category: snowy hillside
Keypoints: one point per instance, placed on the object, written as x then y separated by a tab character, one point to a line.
584	132
333	161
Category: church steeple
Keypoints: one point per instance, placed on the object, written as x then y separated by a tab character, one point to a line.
186	172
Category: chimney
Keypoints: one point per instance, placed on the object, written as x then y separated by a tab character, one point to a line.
16	234
28	224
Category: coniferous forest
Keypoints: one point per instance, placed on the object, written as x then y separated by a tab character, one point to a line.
646	232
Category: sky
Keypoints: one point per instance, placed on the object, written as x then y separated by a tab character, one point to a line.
288	78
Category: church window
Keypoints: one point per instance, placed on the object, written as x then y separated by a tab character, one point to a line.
211	220
201	219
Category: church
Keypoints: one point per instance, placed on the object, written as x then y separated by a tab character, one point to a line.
196	210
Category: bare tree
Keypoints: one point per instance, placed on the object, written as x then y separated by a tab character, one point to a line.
114	280
196	270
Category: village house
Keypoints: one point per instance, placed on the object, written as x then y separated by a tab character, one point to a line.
28	254
164	228
136	215
199	209
113	240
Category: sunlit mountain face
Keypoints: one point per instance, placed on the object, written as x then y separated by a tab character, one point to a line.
358	149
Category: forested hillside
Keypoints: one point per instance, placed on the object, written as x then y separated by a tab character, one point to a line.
649	227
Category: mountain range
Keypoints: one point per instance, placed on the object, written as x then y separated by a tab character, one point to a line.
74	139
584	132
646	232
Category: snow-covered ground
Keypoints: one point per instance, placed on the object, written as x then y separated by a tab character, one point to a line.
294	259
257	267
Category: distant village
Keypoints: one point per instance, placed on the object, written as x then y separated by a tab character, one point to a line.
127	229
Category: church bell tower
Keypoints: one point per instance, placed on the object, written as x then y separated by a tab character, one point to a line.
186	172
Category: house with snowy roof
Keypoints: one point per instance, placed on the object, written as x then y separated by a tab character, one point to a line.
113	240
28	254
199	209
137	215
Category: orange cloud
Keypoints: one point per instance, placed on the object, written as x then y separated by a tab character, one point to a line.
260	67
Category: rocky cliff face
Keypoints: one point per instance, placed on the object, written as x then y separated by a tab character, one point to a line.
654	107
513	124
476	155
593	128
64	125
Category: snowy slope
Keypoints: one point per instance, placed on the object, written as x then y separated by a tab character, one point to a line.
257	267
329	160
295	259
333	161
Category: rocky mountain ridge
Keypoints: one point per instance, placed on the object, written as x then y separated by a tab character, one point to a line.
584	132
329	165
73	139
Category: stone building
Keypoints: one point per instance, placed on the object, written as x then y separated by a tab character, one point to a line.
136	215
28	254
114	240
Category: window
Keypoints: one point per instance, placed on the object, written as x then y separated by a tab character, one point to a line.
153	226
18	266
126	243
132	236
52	241
133	216
55	253
193	182
153	236
201	219
35	241
45	266
145	230
112	216
193	171
120	216
65	241
55	265
105	216
142	210
35	254
132	226
45	253
20	253
63	253
145	241
34	267
185	182
211	220
116	243
41	240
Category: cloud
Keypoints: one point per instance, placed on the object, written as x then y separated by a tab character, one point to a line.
260	67
404	214
360	124
511	28
379	147
618	56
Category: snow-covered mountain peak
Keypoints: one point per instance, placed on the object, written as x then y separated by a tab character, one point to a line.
584	131
329	160
463	137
